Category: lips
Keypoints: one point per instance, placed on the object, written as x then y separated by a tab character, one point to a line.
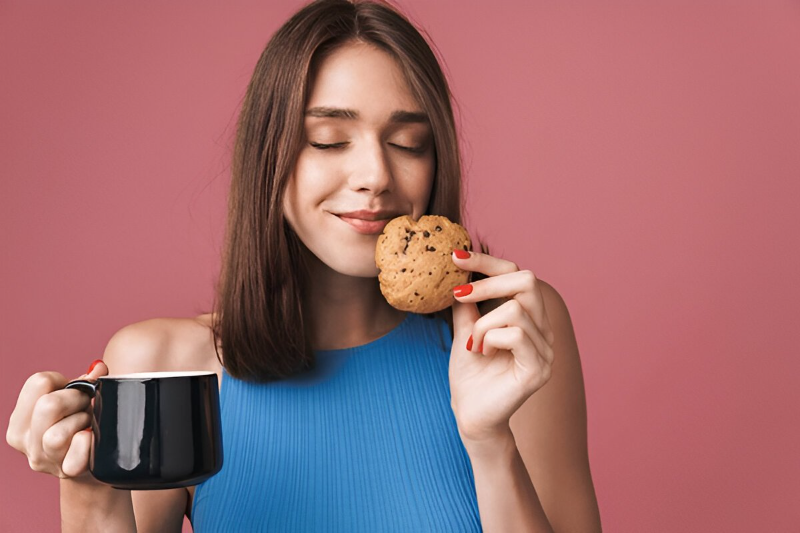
365	214
365	227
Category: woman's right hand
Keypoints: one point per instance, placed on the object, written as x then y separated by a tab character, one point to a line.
48	422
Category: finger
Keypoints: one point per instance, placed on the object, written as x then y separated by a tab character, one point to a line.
522	348
50	409
522	286
76	461
501	286
57	438
464	317
97	369
35	387
55	441
509	314
484	263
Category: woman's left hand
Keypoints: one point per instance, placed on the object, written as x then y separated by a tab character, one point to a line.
498	360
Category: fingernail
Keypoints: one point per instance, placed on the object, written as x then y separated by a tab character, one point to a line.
469	344
462	290
87	429
94	364
461	254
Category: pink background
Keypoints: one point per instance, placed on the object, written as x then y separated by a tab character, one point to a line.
642	157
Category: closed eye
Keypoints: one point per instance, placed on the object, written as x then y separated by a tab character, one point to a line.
412	149
320	146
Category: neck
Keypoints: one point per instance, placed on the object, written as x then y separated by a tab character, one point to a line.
345	311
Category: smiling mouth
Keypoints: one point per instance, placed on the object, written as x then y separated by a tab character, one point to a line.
365	227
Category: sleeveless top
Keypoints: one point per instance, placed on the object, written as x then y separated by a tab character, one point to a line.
364	442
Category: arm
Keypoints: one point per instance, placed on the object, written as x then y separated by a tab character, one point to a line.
507	500
88	505
551	433
47	426
517	395
141	347
544	447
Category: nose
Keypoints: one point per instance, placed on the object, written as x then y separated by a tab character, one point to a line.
372	169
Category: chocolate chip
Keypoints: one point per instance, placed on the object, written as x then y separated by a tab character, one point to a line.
430	273
426	234
412	234
465	248
403	270
416	293
430	249
438	228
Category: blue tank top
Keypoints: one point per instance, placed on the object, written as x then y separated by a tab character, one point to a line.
365	442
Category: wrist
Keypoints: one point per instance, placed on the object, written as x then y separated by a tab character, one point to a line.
86	486
495	443
89	505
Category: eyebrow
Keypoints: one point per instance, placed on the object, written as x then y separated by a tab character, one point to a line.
403	117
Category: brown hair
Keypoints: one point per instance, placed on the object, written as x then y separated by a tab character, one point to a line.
259	321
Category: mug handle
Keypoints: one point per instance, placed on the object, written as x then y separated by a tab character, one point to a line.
83	385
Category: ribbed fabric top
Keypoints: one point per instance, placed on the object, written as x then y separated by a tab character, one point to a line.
366	441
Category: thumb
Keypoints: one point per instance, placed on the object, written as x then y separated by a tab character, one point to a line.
465	314
96	369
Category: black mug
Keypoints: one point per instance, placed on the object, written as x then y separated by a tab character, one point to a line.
155	430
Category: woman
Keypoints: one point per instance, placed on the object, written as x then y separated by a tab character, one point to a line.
339	411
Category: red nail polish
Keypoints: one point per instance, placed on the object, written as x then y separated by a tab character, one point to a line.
462	290
480	348
469	344
461	254
94	364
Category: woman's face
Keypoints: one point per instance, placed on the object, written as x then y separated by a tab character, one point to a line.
368	147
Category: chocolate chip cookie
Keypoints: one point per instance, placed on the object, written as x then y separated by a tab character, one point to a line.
417	270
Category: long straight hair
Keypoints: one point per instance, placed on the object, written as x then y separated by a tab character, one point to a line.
259	322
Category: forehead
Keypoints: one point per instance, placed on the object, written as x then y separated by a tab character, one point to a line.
362	77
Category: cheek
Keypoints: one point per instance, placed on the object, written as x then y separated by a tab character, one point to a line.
313	179
288	204
418	184
306	188
294	203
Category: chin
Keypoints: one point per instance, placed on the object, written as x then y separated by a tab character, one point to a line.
357	271
357	265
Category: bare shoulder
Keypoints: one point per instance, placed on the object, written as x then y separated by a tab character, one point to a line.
566	382
553	302
547	289
162	344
